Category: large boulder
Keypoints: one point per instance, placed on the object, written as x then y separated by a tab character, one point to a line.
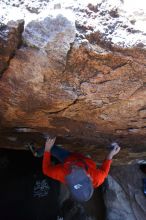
124	197
72	79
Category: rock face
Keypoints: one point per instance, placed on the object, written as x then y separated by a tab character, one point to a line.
124	198
73	82
10	40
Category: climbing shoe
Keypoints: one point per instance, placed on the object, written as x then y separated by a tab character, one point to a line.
36	152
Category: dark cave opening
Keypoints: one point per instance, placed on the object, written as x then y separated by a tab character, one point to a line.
25	193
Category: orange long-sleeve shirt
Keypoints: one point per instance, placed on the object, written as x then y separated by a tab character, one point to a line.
59	171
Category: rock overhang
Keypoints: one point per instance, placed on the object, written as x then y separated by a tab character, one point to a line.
86	91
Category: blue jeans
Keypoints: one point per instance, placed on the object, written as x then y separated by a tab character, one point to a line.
60	153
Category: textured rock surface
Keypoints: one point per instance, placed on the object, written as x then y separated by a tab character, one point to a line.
83	87
10	40
124	198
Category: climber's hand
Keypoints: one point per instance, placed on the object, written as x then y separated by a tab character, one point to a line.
113	152
49	143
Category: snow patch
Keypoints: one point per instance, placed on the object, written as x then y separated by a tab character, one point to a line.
122	22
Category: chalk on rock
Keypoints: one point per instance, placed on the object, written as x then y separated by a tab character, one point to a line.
46	135
25	130
112	145
12	138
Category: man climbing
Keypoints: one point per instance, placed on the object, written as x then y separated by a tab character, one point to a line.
78	172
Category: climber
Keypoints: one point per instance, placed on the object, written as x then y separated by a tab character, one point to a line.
78	172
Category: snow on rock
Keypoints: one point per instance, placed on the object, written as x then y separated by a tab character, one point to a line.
53	34
122	23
